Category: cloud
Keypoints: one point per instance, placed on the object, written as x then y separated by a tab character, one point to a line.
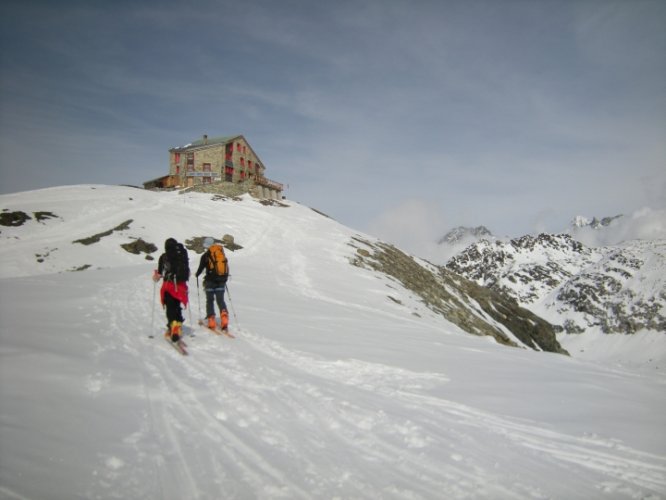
412	225
643	224
477	112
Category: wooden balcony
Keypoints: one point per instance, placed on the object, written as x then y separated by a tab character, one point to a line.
260	180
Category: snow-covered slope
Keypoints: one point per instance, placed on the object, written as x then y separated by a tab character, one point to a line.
589	291
619	289
115	228
341	383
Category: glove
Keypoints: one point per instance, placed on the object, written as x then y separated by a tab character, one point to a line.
156	276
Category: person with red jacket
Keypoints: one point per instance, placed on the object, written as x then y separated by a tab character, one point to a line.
173	266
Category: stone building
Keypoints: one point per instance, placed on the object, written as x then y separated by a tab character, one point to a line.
218	160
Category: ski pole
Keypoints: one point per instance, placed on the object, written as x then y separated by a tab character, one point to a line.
189	311
152	314
199	298
233	309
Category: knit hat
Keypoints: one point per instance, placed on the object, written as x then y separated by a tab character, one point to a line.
170	244
208	242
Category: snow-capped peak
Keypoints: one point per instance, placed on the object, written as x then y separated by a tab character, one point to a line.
462	234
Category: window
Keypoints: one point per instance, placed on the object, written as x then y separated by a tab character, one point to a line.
176	157
238	147
242	162
228	174
206	167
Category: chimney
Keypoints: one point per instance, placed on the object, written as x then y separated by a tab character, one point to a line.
205	139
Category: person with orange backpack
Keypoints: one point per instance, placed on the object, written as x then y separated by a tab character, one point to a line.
215	263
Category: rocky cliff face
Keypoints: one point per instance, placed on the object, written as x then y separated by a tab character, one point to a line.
619	289
475	309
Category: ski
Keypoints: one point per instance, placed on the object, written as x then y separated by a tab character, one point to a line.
179	346
226	332
216	330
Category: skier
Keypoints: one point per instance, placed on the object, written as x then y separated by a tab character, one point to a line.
214	262
173	266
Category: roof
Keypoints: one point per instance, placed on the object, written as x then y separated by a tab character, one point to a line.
210	141
158	179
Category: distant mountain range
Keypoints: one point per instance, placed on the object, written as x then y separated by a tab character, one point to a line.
594	223
613	289
461	234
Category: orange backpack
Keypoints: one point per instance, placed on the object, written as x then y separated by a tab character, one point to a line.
217	261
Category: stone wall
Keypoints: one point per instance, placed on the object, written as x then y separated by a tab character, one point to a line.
230	189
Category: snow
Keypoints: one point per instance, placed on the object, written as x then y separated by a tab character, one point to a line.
330	390
643	350
643	224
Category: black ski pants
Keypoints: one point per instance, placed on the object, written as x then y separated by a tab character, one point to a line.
174	311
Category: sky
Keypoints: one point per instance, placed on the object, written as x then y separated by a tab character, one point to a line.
398	118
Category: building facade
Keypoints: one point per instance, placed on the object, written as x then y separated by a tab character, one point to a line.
221	159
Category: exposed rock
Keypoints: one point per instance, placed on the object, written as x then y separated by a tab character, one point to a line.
195	243
580	221
526	268
228	242
97	237
41	257
268	202
458	299
616	289
81	268
13	219
139	246
461	233
42	216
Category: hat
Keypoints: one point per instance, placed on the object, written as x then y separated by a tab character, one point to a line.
208	242
170	243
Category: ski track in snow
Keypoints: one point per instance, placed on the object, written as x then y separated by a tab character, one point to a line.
273	433
255	417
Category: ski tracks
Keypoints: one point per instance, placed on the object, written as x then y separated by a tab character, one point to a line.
250	418
393	422
195	438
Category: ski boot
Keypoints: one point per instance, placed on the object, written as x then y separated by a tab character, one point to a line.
224	319
176	331
211	322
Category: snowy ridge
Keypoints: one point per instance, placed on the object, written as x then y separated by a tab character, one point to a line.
619	289
526	268
624	292
330	390
581	221
459	238
461	234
